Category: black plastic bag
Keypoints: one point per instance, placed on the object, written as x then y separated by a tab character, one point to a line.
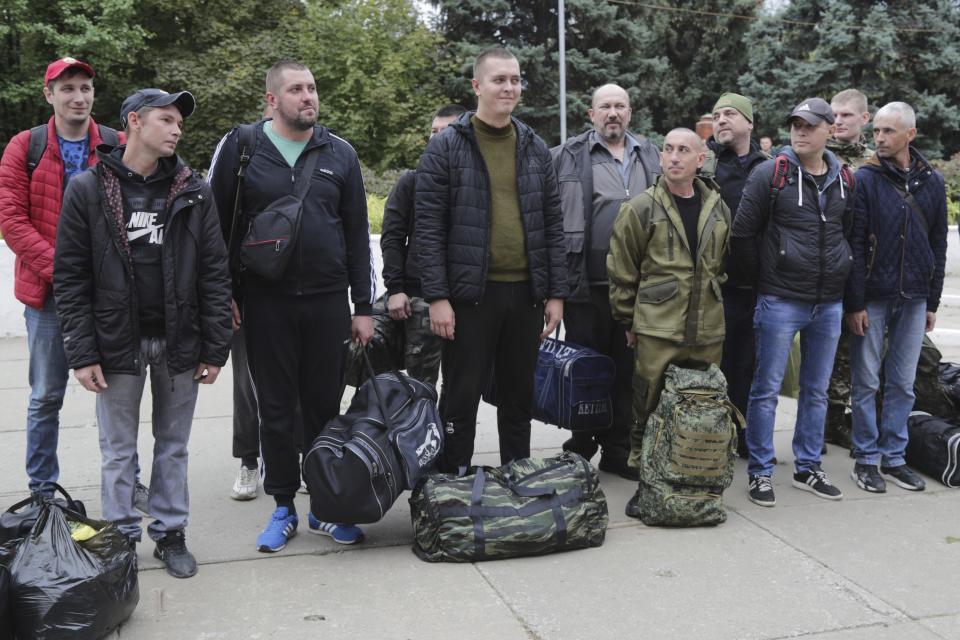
6	620
17	521
61	588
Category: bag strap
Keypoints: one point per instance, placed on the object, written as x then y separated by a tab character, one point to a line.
371	374
35	148
247	141
910	202
476	500
108	135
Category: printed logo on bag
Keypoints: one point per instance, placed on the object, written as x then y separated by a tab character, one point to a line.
557	348
326	171
592	408
427	452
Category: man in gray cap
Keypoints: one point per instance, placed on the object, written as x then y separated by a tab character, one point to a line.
795	243
140	278
598	171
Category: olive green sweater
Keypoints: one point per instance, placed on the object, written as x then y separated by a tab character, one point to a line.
508	255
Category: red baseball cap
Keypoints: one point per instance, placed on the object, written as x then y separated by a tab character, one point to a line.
56	68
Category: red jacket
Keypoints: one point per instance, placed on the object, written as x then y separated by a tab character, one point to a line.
30	210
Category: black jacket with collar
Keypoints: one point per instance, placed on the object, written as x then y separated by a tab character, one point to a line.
401	274
334	240
797	247
453	215
575	180
95	288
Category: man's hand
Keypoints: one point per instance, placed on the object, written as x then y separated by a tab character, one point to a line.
858	322
235	310
91	378
361	329
552	315
206	373
931	321
442	319
631	338
399	306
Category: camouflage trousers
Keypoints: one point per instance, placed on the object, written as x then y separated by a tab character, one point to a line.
652	356
838	430
399	344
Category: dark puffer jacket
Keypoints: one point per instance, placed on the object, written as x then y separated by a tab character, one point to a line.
94	285
798	249
453	215
894	254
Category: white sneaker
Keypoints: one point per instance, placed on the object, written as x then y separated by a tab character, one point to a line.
246	484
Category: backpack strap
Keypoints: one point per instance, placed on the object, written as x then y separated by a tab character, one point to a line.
247	143
778	181
910	201
36	147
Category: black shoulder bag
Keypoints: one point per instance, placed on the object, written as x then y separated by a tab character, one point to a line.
273	233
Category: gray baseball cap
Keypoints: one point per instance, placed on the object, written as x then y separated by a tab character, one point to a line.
813	110
184	100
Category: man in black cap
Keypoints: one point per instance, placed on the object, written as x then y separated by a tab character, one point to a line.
795	243
141	278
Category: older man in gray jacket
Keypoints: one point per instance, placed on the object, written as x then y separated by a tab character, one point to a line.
598	171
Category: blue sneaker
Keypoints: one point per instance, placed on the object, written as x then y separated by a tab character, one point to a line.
282	527
341	533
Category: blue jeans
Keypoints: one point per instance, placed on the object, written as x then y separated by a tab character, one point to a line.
775	323
48	383
904	321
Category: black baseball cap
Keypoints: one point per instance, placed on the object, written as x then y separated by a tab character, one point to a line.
184	100
813	110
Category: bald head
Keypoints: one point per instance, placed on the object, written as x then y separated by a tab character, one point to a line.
682	155
610	113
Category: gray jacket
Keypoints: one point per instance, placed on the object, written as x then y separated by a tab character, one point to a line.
575	180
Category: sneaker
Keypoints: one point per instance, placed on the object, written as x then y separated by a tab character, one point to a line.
815	481
246	484
761	491
619	467
867	477
904	476
341	533
282	527
172	552
587	447
141	498
633	506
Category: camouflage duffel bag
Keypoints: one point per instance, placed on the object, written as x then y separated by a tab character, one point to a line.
524	508
688	451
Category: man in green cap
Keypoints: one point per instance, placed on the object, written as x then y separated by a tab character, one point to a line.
665	268
731	156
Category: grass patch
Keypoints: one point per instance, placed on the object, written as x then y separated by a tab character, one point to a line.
375	206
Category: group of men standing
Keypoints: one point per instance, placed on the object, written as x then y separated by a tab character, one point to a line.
695	254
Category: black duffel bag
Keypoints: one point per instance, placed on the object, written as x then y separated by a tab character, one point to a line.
17	521
386	441
934	447
6	619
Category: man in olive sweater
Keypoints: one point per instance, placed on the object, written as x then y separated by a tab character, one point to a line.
489	235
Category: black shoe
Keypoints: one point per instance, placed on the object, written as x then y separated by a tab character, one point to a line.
823	449
619	467
761	491
172	551
815	481
904	476
633	506
587	447
867	477
742	451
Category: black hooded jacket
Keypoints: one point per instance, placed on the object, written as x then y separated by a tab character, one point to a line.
96	288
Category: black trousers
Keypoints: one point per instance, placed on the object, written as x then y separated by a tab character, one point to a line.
503	332
738	345
296	350
246	422
592	325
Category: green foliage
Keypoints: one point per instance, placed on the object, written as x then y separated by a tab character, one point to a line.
951	174
888	50
375	206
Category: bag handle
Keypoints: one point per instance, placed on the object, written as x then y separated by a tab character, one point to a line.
376	387
35	499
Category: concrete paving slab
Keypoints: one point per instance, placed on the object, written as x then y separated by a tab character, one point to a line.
898	631
674	583
899	547
947	627
385	594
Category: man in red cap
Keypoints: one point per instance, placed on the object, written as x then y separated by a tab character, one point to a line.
36	167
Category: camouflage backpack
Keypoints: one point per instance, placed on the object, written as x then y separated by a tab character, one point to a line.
689	448
526	507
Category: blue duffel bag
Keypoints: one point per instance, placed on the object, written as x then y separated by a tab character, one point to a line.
571	387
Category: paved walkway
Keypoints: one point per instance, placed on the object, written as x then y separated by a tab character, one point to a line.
869	566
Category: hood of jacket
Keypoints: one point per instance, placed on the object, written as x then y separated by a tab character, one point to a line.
918	166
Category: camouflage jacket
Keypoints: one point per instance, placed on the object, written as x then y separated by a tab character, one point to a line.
657	287
853	154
